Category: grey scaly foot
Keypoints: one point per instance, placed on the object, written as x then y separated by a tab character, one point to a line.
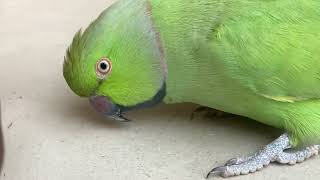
273	152
297	157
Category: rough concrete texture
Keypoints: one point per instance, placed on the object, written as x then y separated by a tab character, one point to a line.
51	134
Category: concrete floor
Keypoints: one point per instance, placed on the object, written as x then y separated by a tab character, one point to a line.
53	135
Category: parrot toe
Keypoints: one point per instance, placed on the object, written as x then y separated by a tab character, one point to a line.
239	160
298	156
208	112
273	152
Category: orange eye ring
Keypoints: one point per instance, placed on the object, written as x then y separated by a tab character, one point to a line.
103	67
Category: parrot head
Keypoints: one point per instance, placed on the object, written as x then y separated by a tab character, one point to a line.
118	61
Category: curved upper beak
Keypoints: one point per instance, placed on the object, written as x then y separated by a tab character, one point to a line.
105	106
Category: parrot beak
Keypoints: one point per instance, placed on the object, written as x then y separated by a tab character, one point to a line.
105	106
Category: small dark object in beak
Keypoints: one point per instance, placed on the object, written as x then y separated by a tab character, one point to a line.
106	107
119	117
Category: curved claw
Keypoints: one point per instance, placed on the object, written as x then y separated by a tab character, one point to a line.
216	171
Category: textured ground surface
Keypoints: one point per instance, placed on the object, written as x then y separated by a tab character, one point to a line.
53	135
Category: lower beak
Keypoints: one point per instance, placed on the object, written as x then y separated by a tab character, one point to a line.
105	106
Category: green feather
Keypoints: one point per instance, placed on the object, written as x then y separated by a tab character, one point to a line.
259	59
75	72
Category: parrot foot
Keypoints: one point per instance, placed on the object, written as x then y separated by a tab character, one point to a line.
273	152
209	112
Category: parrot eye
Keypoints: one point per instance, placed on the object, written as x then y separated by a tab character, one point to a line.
103	67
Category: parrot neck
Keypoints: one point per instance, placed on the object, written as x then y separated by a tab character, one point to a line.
192	80
157	99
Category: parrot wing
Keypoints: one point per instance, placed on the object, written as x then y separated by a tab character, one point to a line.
275	54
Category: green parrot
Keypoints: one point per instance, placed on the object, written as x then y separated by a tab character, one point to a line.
255	58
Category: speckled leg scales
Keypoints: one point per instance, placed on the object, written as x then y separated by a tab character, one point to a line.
273	152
